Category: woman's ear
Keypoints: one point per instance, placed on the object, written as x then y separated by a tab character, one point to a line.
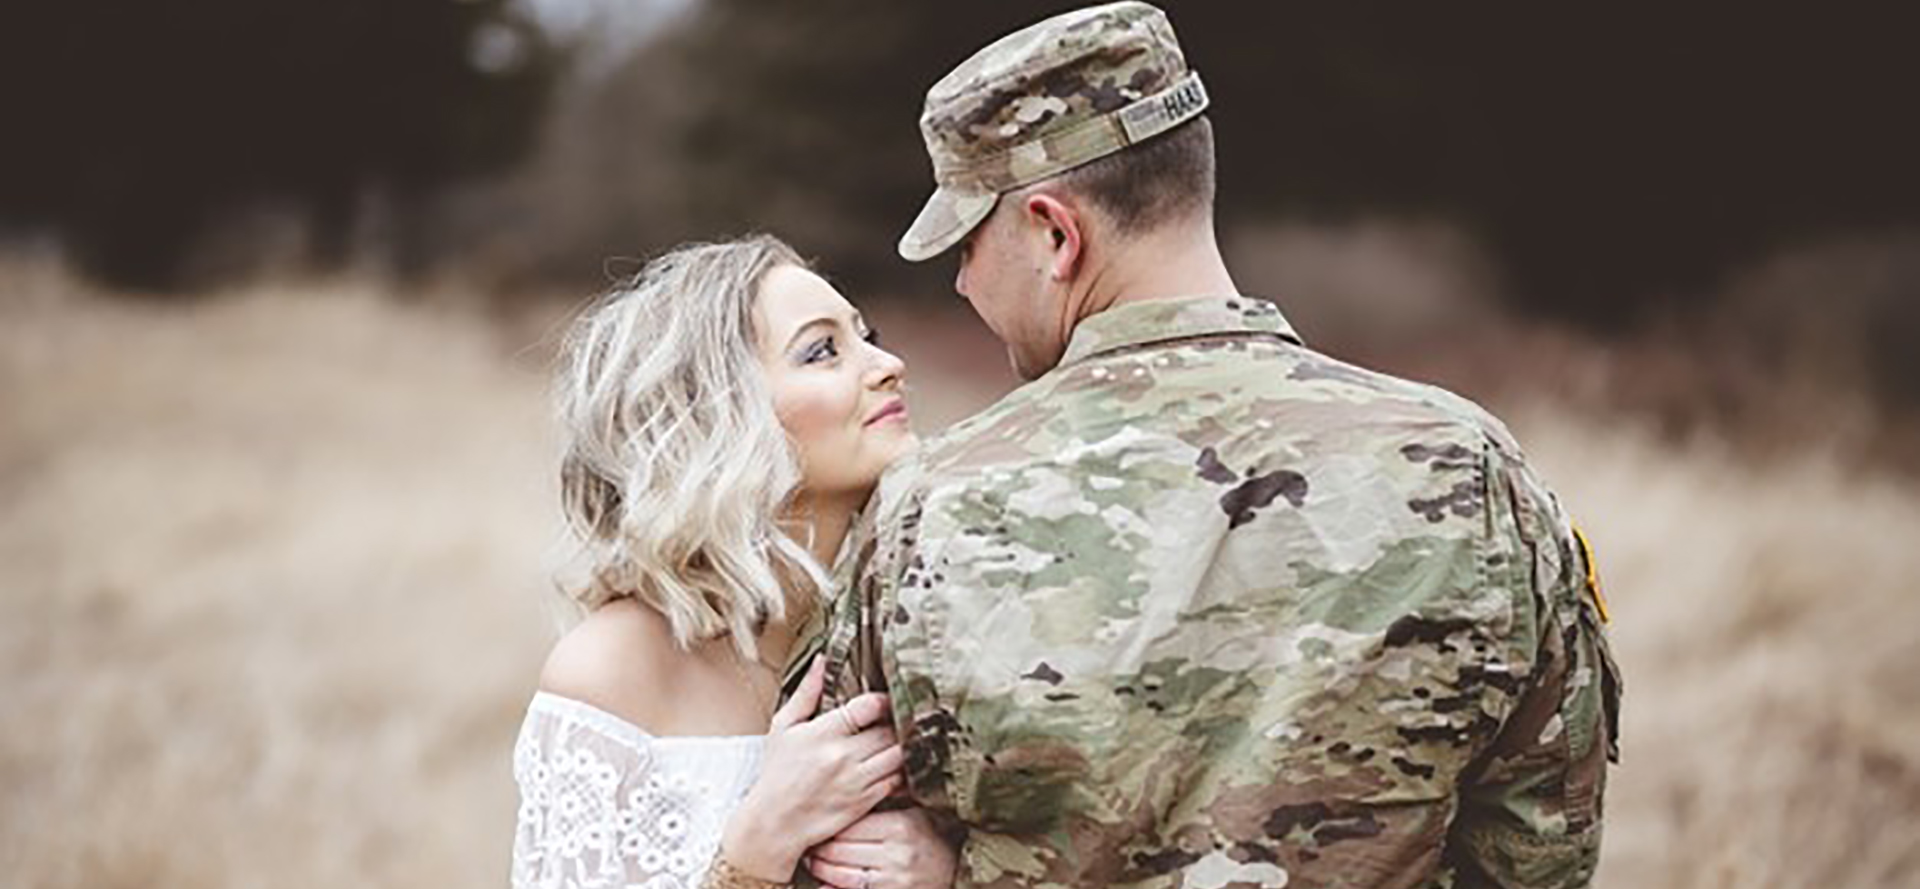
1060	222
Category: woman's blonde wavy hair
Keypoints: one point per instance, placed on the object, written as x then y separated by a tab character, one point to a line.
675	467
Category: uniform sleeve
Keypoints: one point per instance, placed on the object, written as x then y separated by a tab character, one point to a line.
860	657
1531	805
597	809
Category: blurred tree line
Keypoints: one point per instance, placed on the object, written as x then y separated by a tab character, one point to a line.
1615	162
132	129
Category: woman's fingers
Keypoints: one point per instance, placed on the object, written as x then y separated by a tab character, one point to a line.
895	849
876	827
805	700
841	876
865	710
886	762
865	745
880	790
850	853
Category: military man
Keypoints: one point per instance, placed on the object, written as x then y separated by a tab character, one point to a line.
1197	606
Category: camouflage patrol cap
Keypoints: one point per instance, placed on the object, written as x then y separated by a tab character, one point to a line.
1044	100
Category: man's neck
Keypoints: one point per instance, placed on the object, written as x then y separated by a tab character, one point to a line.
1175	261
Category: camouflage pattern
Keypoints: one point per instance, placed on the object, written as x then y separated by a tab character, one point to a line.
1042	101
1201	607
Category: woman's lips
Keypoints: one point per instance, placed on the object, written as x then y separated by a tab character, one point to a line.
892	409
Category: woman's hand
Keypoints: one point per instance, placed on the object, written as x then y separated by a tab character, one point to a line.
897	849
817	776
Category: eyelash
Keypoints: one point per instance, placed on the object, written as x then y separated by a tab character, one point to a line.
825	348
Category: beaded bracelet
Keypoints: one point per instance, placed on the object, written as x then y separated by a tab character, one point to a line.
723	875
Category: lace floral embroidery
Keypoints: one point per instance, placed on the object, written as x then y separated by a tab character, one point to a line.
604	805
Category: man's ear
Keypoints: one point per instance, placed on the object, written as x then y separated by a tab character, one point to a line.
1060	222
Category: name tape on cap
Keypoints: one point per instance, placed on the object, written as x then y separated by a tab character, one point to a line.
1164	110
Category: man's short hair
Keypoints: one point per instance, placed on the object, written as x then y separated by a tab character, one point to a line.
1169	178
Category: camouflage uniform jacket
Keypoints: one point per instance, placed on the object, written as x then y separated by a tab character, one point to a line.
1201	607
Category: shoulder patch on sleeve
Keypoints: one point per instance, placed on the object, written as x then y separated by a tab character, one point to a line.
1593	575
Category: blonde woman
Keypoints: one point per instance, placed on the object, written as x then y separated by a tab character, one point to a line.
726	416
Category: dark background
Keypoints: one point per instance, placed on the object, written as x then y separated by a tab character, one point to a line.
1614	166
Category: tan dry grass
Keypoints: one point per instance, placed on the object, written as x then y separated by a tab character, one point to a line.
271	572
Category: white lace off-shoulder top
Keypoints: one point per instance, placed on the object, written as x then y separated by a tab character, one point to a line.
605	804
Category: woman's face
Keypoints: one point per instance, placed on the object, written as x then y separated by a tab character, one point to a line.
837	393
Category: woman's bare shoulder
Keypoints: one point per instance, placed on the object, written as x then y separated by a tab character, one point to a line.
621	659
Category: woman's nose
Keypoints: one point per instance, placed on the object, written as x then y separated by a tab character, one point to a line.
887	368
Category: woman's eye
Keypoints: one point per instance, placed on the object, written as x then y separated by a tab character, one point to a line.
820	351
872	336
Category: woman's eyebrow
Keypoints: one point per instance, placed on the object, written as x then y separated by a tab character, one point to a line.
855	321
822	321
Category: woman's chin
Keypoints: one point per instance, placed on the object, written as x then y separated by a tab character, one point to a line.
903	443
893	450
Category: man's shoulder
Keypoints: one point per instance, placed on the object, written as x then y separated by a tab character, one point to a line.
1253	398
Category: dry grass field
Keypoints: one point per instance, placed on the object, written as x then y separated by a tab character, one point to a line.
273	566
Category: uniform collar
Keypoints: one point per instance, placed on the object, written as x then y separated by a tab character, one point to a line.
1159	320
